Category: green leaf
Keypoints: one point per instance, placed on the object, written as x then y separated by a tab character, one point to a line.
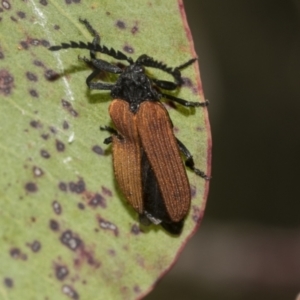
65	229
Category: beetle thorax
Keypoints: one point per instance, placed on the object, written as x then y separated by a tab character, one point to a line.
134	86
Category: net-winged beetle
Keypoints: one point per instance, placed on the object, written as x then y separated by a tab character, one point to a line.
146	154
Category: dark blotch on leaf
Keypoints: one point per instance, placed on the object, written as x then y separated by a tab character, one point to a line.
97	200
44	2
45	43
1	55
106	225
65	125
38	63
56	207
60	146
54	225
6	4
69	291
98	150
80	206
51	75
134	29
35	124
6	82
33	93
70	240
13	19
45	154
31	76
106	191
61	272
21	14
68	106
35	246
37	172
135	229
56	27
31	187
24	45
63	186
128	49
15	252
121	24
8	282
45	136
78	187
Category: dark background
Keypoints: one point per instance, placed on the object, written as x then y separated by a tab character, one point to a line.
248	245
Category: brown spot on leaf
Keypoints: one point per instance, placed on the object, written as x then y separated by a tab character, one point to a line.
31	187
80	206
134	29
77	187
24	45
6	82
45	154
97	200
35	246
8	282
21	14
60	146
51	75
67	289
106	191
35	124
15	252
135	229
44	2
33	93
13	19
56	27
61	272
37	172
1	55
38	63
120	24
63	186
65	125
56	207
107	225
6	4
128	49
98	150
68	106
54	225
31	76
69	239
45	136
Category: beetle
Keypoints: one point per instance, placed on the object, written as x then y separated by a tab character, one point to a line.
146	154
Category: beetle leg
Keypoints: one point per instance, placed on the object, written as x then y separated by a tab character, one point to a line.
185	102
190	161
112	131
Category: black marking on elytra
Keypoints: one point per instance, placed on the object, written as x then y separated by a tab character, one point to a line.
77	187
31	187
45	153
98	150
54	225
8	282
71	240
60	146
6	82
